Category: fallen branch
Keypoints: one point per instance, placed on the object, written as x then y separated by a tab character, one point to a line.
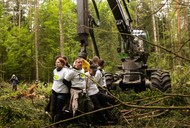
87	113
143	114
148	104
147	115
158	107
176	95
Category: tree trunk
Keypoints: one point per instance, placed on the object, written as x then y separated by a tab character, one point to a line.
179	29
188	21
154	24
19	14
36	38
31	75
154	27
61	28
163	29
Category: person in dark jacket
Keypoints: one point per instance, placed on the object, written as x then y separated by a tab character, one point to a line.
14	82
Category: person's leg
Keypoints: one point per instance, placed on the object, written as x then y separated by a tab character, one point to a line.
105	99
99	115
53	106
61	102
15	87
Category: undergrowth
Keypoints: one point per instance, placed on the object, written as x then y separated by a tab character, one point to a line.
19	110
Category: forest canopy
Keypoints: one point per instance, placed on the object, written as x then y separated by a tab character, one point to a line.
25	34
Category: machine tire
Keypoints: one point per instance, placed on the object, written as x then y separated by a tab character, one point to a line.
166	81
160	80
109	80
156	81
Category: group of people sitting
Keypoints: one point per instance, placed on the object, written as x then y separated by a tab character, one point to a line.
70	83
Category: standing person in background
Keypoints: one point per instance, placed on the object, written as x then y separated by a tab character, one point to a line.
14	82
95	60
60	91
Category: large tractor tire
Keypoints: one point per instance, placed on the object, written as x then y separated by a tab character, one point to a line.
160	80
110	78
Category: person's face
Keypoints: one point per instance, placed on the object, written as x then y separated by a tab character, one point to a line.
92	72
78	64
58	63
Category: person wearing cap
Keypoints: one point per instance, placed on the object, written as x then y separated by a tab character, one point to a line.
94	94
14	82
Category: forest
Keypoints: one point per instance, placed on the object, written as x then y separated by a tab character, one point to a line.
34	32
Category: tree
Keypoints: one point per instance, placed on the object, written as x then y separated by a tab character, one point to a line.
61	28
36	38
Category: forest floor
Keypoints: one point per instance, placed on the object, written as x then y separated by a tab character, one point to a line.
24	108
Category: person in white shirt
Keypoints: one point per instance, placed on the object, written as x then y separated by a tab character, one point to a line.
100	75
106	99
94	94
78	86
60	91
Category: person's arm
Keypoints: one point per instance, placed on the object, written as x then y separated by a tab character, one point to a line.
17	81
98	76
68	78
67	83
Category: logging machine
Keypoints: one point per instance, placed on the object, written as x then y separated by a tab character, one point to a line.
133	72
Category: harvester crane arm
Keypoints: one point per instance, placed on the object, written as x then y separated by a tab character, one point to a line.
85	26
134	73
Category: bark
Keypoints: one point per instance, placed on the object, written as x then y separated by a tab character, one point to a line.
179	29
154	25
61	28
36	38
19	14
32	76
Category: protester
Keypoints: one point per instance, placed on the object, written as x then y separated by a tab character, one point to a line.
94	94
77	78
100	76
66	60
106	99
60	92
95	60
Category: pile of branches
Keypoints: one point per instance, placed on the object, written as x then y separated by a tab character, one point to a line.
145	109
149	108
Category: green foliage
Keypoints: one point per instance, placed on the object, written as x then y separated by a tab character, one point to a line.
17	55
106	37
10	115
18	110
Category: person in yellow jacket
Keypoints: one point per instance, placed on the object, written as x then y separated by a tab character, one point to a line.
85	65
